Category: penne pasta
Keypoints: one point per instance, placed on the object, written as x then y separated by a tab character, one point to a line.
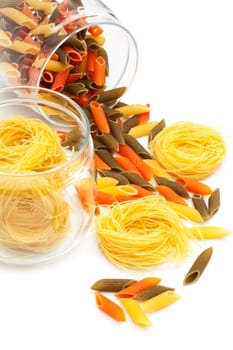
99	163
56	66
142	129
125	190
108	158
99	71
200	204
136	179
24	47
129	123
138	287
106	181
195	186
214	202
156	168
122	180
157	128
116	130
151	292
109	95
198	266
209	232
18	17
177	187
109	307
112	284
186	212
133	109
170	195
136	146
160	301
44	29
5	40
46	6
109	140
99	117
126	164
135	312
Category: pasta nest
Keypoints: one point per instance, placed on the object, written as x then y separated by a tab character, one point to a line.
140	234
190	150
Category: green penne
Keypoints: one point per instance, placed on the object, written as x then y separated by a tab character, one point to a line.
152	292
137	180
200	205
137	147
130	123
160	126
107	157
198	266
214	202
112	284
116	131
122	180
109	95
177	187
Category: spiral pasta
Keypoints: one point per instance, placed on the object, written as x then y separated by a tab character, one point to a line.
189	150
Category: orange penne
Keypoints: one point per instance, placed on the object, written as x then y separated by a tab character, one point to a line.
194	186
126	164
138	287
142	192
60	81
95	30
103	198
99	117
109	307
74	56
91	57
143	168
47	77
99	71
170	195
144	117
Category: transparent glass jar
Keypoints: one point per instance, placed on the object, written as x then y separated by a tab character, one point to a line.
47	180
35	33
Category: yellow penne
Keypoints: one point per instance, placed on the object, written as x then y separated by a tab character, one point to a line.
135	312
142	130
25	48
106	181
45	29
132	109
18	17
160	301
209	232
186	212
99	39
124	190
47	7
156	168
56	66
5	41
9	70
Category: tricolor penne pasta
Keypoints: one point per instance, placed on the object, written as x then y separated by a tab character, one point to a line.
160	301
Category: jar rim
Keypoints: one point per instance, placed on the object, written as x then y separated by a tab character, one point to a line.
81	112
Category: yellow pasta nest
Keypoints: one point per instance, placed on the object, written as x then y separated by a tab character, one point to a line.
34	215
189	150
140	234
28	145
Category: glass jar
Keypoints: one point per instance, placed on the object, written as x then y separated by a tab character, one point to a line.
47	180
39	39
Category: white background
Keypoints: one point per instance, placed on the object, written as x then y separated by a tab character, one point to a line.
185	72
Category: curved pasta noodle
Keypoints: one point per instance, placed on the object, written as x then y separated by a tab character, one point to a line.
189	150
198	266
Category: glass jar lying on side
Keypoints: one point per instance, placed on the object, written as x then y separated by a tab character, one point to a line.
46	175
78	47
